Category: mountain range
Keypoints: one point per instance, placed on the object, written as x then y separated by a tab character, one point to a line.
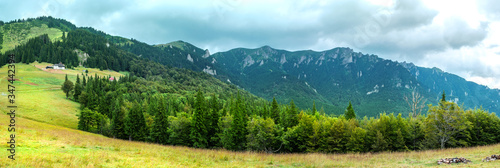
329	79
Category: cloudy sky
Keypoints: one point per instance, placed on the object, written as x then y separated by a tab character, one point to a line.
461	37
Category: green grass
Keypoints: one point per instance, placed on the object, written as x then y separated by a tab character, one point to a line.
19	33
39	95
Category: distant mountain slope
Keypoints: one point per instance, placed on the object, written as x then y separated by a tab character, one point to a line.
333	78
458	89
329	78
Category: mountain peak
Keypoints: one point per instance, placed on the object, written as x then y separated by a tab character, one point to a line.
266	47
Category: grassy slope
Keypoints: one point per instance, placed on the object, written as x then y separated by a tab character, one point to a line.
20	33
44	145
39	95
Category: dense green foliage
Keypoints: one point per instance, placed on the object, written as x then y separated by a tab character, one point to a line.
1	38
42	49
51	22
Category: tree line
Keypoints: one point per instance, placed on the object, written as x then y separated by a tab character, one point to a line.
237	123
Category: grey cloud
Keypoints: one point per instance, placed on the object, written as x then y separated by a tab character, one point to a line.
458	33
410	14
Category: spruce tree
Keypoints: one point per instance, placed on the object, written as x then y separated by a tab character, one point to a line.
136	125
160	125
291	116
238	126
118	120
214	121
199	131
349	112
84	81
275	114
78	88
314	107
443	97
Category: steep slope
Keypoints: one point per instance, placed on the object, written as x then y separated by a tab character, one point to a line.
458	89
20	31
100	51
333	78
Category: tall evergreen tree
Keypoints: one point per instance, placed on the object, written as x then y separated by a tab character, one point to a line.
84	81
349	112
118	120
78	88
275	114
314	107
199	131
238	126
136	125
291	118
160	125
214	121
443	97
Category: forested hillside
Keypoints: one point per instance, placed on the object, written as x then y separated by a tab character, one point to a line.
334	77
90	48
166	104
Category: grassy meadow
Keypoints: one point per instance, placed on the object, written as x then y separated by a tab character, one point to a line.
20	33
47	137
39	96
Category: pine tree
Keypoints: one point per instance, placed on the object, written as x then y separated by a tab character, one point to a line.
199	131
84	82
291	116
136	125
118	120
275	114
214	121
314	107
238	126
160	125
443	97
349	112
78	88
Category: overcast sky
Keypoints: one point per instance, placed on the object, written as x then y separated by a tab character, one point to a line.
461	37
